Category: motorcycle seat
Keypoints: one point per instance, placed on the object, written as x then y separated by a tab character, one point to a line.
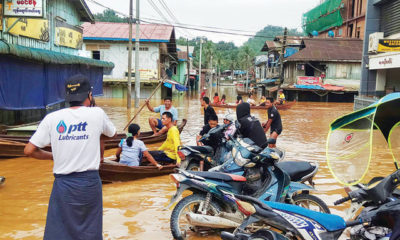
203	149
219	176
296	170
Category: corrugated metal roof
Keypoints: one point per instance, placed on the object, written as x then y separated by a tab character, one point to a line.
329	50
120	32
47	56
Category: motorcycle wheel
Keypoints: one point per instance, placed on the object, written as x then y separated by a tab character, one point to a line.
178	222
310	202
193	166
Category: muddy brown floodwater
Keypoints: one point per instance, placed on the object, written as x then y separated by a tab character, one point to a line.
134	210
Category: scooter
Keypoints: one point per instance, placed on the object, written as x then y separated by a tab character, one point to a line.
263	179
204	157
380	218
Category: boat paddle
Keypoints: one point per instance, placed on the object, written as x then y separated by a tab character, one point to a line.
141	107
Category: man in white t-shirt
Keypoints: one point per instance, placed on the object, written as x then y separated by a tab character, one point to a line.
75	208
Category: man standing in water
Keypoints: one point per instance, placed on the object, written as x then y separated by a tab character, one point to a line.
75	208
208	110
156	123
274	121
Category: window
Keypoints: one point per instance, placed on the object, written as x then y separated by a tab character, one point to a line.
358	32
360	7
340	32
140	48
96	55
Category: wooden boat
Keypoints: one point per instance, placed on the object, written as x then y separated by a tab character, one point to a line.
285	106
18	150
112	171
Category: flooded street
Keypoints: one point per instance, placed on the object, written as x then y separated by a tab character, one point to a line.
134	210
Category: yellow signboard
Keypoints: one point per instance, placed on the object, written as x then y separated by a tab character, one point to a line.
29	27
68	35
389	45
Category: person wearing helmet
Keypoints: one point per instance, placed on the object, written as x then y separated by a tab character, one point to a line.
229	122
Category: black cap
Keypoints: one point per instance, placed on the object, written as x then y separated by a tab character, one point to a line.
77	88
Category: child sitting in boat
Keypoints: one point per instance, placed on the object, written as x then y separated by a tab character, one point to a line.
223	99
131	150
216	99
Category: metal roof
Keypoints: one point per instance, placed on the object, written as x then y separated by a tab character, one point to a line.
47	56
329	50
107	31
84	11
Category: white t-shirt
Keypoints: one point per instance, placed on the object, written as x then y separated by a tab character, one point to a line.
74	135
131	155
251	101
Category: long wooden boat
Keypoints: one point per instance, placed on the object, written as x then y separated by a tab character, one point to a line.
285	106
112	171
18	150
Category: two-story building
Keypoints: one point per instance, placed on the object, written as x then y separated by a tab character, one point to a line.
158	58
39	44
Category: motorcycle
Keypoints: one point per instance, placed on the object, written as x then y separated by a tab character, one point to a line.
195	156
379	217
263	179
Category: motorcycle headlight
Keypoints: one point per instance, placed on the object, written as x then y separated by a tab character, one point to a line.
239	159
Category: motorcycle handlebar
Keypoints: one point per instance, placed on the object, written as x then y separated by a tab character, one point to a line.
342	200
353	223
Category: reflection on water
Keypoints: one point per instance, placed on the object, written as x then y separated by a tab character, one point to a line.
134	210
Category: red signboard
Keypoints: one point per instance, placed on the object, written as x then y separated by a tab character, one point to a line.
309	80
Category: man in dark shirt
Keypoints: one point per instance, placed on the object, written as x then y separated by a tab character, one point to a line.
250	127
212	123
274	121
208	110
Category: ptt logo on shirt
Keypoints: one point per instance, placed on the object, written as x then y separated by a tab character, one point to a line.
62	127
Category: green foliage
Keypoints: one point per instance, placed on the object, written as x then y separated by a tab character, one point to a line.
109	16
268	34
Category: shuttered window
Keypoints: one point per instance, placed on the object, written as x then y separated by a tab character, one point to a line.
390	17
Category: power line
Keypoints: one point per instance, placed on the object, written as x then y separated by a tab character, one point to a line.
189	26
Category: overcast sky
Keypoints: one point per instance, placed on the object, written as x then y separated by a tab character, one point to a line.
247	15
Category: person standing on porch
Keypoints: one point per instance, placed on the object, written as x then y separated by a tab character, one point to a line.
75	208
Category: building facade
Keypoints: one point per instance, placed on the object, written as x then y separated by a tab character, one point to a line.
381	53
38	52
157	55
343	18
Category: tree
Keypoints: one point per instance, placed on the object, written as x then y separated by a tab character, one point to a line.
109	15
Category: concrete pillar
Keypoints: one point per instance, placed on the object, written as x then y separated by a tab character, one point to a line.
372	22
380	80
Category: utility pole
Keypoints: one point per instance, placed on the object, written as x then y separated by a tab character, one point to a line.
188	63
211	80
129	87
201	42
137	71
281	73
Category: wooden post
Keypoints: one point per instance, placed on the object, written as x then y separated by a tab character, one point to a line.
282	56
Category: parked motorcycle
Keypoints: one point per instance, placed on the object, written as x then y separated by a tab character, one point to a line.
379	219
206	209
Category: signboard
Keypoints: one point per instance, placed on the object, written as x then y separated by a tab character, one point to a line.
68	35
309	80
389	45
29	27
384	62
23	8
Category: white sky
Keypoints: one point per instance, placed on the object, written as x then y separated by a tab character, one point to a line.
248	15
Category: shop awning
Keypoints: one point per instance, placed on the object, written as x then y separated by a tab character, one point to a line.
47	56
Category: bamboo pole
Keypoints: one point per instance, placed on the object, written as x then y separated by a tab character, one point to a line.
141	108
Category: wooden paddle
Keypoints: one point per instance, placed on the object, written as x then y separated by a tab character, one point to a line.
141	107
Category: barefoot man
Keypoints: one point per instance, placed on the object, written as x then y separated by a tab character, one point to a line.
155	123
